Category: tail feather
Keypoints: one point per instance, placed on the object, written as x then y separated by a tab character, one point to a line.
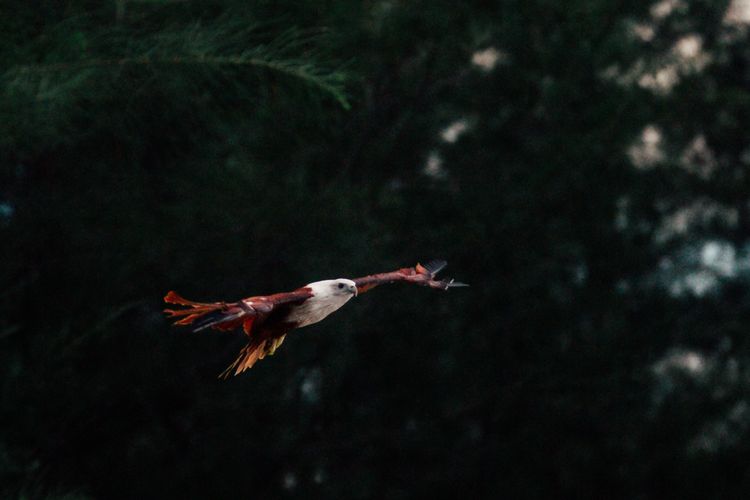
254	351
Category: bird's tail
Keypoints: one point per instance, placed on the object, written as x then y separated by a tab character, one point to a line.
254	351
201	315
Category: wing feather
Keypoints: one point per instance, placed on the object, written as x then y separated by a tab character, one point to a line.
224	316
424	275
247	314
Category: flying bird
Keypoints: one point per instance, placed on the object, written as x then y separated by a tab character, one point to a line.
267	319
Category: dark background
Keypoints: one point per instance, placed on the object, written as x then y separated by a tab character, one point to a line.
583	164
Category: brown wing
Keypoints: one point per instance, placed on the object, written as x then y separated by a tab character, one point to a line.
418	275
250	314
245	313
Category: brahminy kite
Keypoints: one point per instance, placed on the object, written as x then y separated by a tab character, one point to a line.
266	319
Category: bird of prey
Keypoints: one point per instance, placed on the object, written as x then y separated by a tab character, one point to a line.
266	319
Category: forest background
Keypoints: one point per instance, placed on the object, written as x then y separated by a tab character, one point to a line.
583	164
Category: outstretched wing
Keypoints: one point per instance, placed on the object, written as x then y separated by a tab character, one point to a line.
418	275
228	316
246	313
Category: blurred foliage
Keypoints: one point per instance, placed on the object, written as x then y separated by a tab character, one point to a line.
584	165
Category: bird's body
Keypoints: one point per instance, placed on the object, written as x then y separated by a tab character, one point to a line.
267	319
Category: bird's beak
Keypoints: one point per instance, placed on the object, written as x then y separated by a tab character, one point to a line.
354	290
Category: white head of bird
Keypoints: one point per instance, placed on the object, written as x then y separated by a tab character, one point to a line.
328	295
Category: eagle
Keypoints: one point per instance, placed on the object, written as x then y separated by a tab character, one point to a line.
267	319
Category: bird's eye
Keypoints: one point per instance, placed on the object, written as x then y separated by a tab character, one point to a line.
341	285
